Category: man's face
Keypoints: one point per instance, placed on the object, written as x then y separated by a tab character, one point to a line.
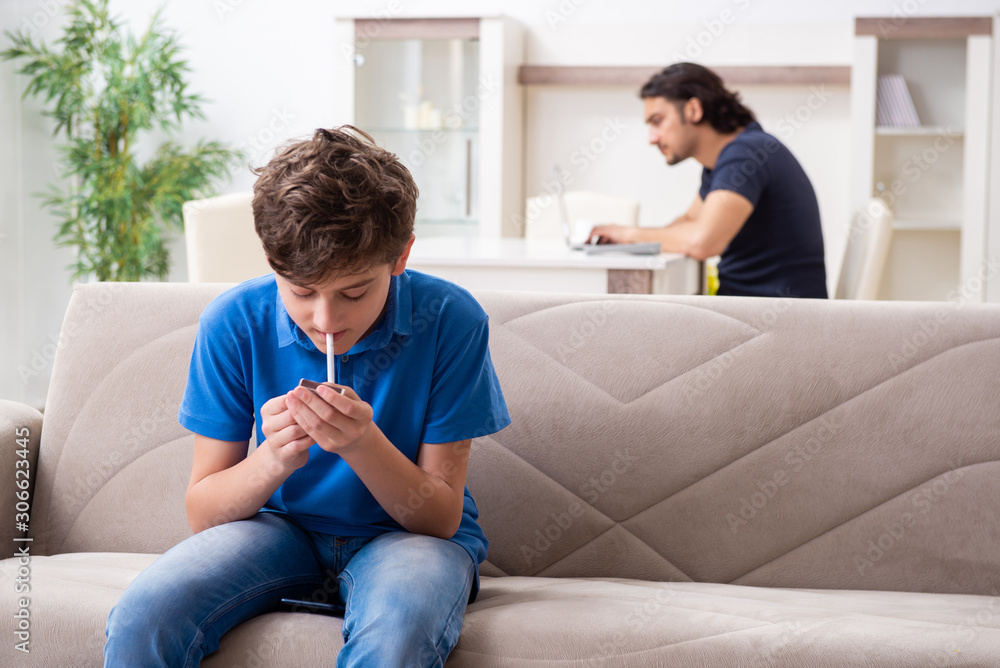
669	130
349	307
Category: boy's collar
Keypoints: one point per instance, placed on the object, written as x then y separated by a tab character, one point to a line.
398	319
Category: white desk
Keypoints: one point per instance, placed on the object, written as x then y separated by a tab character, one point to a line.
549	266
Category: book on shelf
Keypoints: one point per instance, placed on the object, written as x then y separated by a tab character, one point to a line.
893	104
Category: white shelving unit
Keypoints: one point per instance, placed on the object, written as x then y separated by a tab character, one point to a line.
923	131
442	94
934	177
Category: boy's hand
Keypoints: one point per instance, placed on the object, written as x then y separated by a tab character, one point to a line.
288	442
337	422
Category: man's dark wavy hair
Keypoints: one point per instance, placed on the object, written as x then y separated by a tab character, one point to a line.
333	205
682	81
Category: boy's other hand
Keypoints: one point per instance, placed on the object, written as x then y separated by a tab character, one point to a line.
287	440
337	422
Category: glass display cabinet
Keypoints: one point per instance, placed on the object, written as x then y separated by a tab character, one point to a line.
442	95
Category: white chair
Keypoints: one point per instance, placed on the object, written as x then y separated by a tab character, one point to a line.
222	246
868	242
542	220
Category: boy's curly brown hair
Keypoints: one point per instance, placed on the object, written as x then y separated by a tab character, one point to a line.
333	205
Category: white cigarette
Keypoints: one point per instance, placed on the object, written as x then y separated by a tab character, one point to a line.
331	360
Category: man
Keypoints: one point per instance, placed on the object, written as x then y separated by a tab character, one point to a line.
756	207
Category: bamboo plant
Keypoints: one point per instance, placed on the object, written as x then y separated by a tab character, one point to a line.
105	88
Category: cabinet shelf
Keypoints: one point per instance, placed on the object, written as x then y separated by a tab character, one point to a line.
925	226
922	131
910	225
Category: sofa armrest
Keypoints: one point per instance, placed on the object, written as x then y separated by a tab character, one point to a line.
20	434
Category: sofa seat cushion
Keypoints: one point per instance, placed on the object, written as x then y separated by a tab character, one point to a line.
72	594
69	600
519	621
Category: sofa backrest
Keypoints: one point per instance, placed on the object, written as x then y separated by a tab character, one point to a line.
114	462
772	442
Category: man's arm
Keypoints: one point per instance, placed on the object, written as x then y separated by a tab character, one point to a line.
703	232
693	210
425	498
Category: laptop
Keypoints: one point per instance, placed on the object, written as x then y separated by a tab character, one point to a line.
641	248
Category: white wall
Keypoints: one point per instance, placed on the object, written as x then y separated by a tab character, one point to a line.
264	65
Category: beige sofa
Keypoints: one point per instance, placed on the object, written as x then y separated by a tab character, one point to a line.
688	481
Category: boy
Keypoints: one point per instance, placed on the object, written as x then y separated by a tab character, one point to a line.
360	495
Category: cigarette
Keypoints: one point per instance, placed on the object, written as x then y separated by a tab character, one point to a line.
331	360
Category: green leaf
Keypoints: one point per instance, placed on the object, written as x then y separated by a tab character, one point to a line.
104	88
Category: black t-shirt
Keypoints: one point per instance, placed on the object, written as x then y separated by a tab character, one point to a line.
779	250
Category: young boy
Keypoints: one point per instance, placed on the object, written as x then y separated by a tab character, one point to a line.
359	497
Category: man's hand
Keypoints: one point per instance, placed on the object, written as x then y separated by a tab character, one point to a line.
287	440
337	422
614	234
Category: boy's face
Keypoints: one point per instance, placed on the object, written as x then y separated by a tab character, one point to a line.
349	307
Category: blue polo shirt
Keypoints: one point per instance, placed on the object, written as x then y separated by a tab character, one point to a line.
779	250
425	369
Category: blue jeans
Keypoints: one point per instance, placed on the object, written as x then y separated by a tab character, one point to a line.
404	594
